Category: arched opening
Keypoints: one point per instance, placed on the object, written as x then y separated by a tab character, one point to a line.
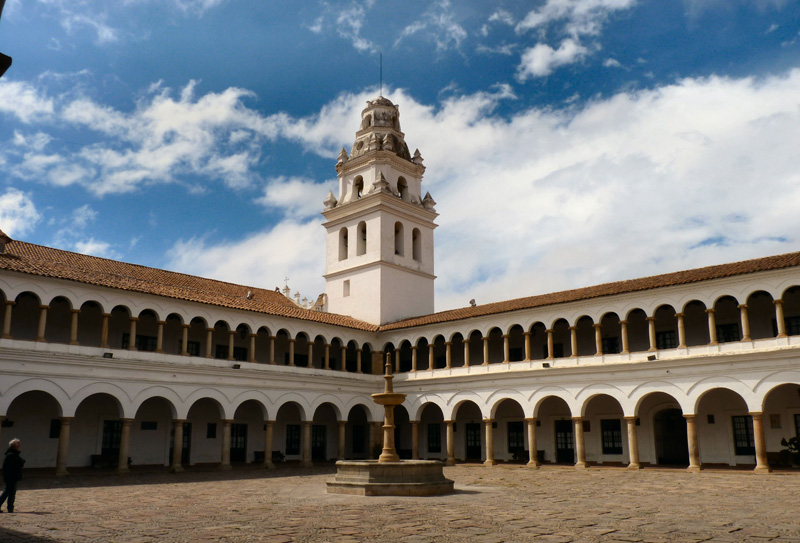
468	434
516	344
282	348
728	319
398	238
119	327
439	352
358	187
357	433
496	354
538	341
336	362
666	328
422	354
791	310
361	247
725	429
96	432
662	431
405	356
604	430
197	337
221	340
416	244
152	433
288	431
611	332
351	357
761	315
402	188
432	439
25	317
146	332
301	349
173	334
402	432
90	324
205	428
28	418
366	359
343	245
781	421
247	435
638	333
555	432
510	441
695	322
324	434
584	331
562	342
59	321
262	345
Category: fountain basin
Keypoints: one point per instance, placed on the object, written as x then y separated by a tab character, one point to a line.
403	478
388	398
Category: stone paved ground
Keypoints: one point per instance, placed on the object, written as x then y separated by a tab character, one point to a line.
499	504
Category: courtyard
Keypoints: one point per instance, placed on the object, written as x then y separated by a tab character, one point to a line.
504	503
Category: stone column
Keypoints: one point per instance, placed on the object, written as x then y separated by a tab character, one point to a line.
414	440
2	418
533	459
342	437
485	351
231	341
63	447
291	351
448	354
124	447
225	464
73	328
413	359
132	334
451	443
580	446
344	358
506	349
252	354
327	356
160	337
209	342
310	354
762	463
272	350
268	425
623	328
42	322
104	330
712	327
177	446
465	341
745	322
185	339
487	424
527	345
573	341
360	369
550	344
431	357
306	445
598	339
779	317
681	330
7	320
651	332
694	449
633	444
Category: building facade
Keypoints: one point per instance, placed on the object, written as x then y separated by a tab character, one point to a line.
110	364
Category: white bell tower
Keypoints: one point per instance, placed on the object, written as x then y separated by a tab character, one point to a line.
379	251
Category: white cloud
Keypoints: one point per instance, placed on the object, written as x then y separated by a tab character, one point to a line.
612	63
83	215
18	213
297	197
349	23
580	17
95	247
541	60
439	22
24	101
292	249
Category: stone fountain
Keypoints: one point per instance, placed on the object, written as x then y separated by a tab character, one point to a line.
390	476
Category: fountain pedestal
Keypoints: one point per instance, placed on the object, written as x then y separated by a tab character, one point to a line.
390	476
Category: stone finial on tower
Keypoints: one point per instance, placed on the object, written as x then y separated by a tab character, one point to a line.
381	184
428	202
330	201
417	158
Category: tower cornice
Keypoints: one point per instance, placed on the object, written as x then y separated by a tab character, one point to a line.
380	157
378	201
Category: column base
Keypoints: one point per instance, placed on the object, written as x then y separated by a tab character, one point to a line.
176	469
762	469
123	471
450	462
694	469
61	472
580	465
269	465
490	462
307	464
225	467
533	465
634	466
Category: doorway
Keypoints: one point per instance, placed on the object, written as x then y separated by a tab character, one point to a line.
672	444
238	442
565	448
472	448
318	443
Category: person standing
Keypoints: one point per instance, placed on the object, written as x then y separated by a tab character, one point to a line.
12	473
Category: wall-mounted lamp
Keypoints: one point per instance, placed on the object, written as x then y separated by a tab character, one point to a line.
237	366
651	358
545	364
108	355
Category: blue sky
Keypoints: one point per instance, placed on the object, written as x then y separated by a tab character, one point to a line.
567	142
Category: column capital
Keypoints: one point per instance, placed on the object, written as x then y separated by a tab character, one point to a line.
341	422
527	333
161	323
127	421
577	419
231	332
75	310
178	421
209	330
449	422
755	414
689	416
485	338
187	326
548	330
742	306
530	419
650	319
505	336
66	420
134	319
778	301
447	343
630	417
465	340
413	348
573	328
623	323
678	315
413	422
11	302
597	326
292	340
488	421
44	306
711	311
256	335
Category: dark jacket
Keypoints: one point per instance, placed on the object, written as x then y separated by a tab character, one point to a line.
12	466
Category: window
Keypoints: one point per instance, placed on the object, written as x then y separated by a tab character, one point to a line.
416	244
774	421
292	439
610	345
149	425
55	428
358	438
221	352
612	436
402	188
343	245
358	187
743	440
346	288
361	248
558	351
666	340
112	436
211	430
516	437
728	332
192	348
240	354
793	326
398	238
143	343
434	437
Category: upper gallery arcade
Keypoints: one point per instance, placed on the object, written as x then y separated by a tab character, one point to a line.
103	361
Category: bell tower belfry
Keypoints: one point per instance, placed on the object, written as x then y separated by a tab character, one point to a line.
379	250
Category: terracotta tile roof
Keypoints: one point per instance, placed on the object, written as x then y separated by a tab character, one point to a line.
34	259
778	262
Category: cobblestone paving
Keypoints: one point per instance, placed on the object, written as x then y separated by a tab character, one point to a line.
505	503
